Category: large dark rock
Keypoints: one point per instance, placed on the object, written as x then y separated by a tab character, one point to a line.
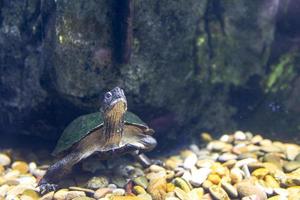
57	57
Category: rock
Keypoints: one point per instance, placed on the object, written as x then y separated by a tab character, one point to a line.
60	194
297	158
291	166
206	137
74	194
207	184
124	198
170	174
4	189
227	156
142	181
218	193
271	181
260	172
256	139
172	163
182	195
89	191
247	189
246	161
97	182
21	166
101	192
291	151
156	168
218	146
157	188
214	178
118	180
48	196
170	187
190	161
226	138
270	149
118	191
230	189
27	180
144	196
273	158
83	198
236	175
4	159
196	194
156	175
139	190
239	135
199	176
182	184
30	194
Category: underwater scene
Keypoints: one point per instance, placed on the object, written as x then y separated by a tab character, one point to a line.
149	99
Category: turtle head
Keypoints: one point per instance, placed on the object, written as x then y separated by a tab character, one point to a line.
114	101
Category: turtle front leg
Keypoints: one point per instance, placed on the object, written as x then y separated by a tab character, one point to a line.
59	170
147	143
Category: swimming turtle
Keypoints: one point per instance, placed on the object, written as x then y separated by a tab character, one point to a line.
113	131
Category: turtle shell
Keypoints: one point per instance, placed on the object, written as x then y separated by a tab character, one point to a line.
85	124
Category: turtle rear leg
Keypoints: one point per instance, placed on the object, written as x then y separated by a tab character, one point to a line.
59	170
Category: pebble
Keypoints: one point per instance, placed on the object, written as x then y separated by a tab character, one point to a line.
226	157
89	191
60	194
156	168
292	151
142	181
196	194
183	184
218	193
206	137
118	191
247	188
199	176
4	159
230	189
101	192
181	194
291	166
190	161
237	166
48	196
21	166
157	188
97	182
74	194
144	196
239	135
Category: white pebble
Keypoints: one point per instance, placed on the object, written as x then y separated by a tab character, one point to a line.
118	191
190	161
4	160
246	161
239	135
199	176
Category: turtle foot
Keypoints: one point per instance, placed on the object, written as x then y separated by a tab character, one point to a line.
47	187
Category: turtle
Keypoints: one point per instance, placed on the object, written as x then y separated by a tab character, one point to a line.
112	131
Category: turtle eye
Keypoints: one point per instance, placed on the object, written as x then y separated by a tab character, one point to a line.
108	95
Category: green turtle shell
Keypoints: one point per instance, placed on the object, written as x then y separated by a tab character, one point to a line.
85	124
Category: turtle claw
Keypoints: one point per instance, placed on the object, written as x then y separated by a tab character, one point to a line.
47	187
